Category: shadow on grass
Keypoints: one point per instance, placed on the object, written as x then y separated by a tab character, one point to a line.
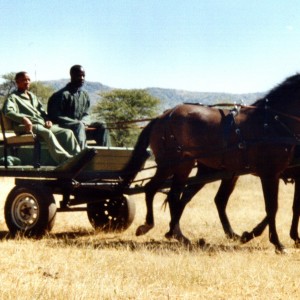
90	239
5	235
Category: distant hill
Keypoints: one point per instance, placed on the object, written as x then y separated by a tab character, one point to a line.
169	97
93	88
172	97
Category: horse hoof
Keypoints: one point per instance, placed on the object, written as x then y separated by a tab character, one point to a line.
143	229
246	237
179	237
168	235
201	243
297	244
281	251
233	236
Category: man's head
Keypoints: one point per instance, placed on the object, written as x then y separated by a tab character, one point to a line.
22	80
77	74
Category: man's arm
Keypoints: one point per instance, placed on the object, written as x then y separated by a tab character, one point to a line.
10	110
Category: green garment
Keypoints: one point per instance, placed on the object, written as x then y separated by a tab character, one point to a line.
68	106
61	142
17	106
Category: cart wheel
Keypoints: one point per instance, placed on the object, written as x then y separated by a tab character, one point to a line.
111	215
30	210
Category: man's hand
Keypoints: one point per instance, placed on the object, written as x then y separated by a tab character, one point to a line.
48	124
28	124
83	123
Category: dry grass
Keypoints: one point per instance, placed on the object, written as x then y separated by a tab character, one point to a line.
74	262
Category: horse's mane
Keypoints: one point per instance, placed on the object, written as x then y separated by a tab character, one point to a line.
284	91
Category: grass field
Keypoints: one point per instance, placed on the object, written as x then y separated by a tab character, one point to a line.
74	262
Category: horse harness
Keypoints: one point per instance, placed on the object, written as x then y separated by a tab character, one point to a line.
230	125
271	118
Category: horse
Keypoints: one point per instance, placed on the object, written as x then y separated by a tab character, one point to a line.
292	174
259	139
222	197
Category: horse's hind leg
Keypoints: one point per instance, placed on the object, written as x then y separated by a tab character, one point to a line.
225	190
296	213
151	189
177	205
177	202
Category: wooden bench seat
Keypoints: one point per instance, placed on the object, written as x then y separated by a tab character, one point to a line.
11	141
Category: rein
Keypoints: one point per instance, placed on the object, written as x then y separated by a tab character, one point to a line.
275	112
133	121
293	117
116	125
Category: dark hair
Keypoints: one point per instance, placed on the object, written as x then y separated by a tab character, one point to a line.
19	75
75	69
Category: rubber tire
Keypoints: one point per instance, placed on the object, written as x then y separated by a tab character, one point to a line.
30	211
111	215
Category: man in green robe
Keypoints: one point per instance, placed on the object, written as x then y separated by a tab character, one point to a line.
27	115
69	107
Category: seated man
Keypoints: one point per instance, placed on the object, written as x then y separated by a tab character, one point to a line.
27	115
69	107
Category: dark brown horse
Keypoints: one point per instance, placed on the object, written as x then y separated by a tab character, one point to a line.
259	139
292	173
226	188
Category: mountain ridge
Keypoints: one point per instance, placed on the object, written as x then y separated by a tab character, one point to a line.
169	97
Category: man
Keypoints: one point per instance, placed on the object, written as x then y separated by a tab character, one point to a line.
27	115
69	107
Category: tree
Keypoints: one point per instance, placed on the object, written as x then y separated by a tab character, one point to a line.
9	83
42	91
118	107
7	86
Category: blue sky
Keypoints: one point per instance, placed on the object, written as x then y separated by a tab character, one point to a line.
197	45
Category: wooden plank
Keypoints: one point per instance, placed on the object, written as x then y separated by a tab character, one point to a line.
106	159
8	134
109	159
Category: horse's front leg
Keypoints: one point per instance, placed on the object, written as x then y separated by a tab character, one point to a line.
270	185
225	190
296	213
221	199
256	231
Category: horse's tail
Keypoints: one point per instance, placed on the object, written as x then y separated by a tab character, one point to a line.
139	155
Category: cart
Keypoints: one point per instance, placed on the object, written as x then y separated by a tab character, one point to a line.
87	182
90	181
